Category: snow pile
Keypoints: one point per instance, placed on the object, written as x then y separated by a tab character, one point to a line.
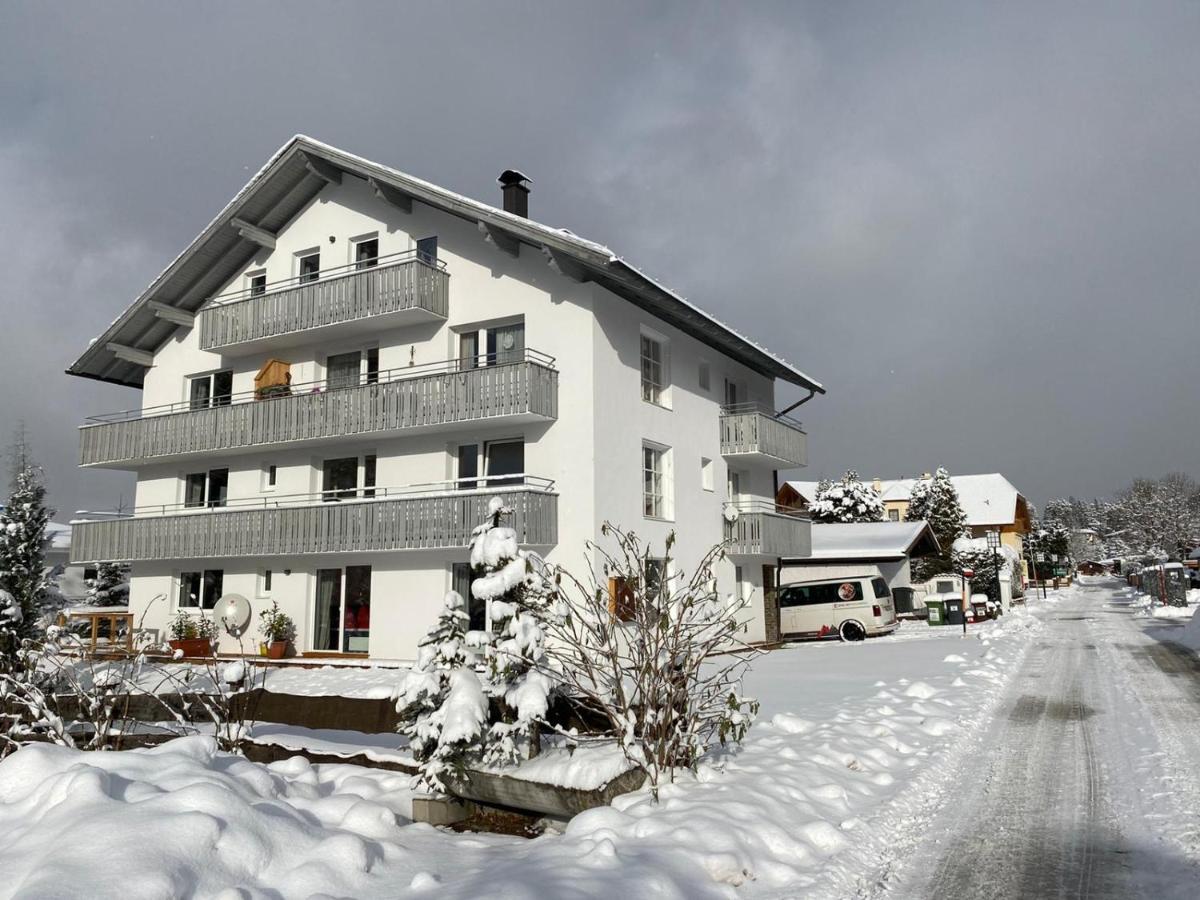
1190	637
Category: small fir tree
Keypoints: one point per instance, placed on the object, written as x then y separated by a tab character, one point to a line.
847	500
22	542
110	587
443	708
935	501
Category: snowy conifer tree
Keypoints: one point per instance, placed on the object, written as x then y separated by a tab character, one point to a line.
444	710
847	500
506	579
935	501
110	587
22	541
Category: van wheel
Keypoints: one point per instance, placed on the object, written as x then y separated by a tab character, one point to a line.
852	631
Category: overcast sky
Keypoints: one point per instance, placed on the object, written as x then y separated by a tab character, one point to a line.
977	224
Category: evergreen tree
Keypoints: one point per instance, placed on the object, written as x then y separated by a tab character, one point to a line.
110	587
935	501
505	579
22	541
847	500
443	709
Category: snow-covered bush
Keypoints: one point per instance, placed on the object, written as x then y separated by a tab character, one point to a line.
444	712
847	500
22	542
935	501
636	647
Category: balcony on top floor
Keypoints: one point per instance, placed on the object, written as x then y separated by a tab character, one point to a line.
522	387
760	528
418	517
754	432
400	289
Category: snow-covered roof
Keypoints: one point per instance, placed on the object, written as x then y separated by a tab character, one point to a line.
988	499
295	174
872	540
58	535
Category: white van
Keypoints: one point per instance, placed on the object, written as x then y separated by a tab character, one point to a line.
855	605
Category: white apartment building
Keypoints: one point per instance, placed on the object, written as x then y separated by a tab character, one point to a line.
347	364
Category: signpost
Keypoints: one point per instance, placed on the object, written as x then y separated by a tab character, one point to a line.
967	575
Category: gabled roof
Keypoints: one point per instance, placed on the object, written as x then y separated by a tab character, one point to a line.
871	540
297	172
987	499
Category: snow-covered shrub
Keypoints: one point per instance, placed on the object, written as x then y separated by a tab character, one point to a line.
935	501
23	571
444	712
636	646
847	500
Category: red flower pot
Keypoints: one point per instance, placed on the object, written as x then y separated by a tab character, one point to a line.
277	649
194	647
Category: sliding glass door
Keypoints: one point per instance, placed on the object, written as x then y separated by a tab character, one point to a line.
343	610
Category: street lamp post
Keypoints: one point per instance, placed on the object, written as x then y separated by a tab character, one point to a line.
993	541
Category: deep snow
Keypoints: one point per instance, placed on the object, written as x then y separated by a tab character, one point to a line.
848	735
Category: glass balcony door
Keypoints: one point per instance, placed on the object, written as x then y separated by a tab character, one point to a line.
343	610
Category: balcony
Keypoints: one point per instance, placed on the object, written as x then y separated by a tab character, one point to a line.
438	396
397	290
753	432
759	528
422	517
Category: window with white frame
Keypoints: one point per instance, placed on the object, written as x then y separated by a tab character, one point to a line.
201	590
308	265
706	473
656	481
211	389
256	283
270	476
654	370
366	251
206	489
265	579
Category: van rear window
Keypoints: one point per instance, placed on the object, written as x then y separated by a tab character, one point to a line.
816	594
881	588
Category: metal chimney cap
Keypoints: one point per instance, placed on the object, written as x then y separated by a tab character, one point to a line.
512	176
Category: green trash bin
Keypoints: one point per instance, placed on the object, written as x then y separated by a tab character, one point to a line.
937	611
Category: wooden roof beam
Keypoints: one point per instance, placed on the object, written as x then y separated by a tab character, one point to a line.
260	236
322	169
173	314
132	355
500	239
389	194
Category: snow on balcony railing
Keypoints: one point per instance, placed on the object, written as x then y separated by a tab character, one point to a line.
409	397
754	428
424	516
387	284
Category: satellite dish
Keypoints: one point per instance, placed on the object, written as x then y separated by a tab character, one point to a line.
234	612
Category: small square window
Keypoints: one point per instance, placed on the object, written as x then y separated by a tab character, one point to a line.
257	283
309	266
893	515
366	253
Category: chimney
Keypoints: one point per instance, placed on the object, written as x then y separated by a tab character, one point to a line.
515	188
877	484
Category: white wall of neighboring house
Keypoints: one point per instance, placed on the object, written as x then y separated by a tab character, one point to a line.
592	450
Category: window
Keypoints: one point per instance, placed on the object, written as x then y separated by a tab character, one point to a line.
201	590
270	477
373	365
880	587
214	389
209	488
655	573
706	473
468	349
731	393
705	377
655	482
893	515
460	582
309	266
366	253
370	461
343	610
468	467
506	344
654	371
504	458
733	485
339	478
622	603
739	583
90	573
427	250
343	370
264	583
257	283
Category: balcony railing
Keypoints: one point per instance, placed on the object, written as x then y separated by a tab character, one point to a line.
749	429
420	517
392	400
759	528
393	284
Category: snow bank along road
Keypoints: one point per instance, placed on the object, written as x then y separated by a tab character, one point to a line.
1087	783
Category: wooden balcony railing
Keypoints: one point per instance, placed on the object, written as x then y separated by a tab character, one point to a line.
406	281
750	430
393	400
424	517
759	528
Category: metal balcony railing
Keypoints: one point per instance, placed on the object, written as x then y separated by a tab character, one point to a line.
760	528
417	517
427	396
751	429
389	284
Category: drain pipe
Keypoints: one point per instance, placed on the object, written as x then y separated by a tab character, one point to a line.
811	394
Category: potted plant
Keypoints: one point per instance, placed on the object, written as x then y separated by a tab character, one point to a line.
278	629
193	635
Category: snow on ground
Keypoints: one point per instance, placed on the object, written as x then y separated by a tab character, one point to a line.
850	738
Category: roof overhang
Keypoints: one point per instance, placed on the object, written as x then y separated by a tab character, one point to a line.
292	178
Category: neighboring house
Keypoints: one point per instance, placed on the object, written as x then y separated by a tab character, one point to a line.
348	363
838	549
70	579
990	503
